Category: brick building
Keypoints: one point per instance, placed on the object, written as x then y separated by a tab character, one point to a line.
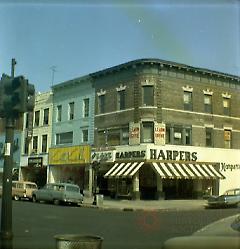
168	130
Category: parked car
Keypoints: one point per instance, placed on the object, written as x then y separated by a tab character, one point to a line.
230	198
222	234
58	193
23	190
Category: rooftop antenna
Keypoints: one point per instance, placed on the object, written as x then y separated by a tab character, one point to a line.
53	68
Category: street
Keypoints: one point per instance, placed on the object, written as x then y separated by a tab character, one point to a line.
36	224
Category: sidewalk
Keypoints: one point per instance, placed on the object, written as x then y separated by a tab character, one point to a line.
144	205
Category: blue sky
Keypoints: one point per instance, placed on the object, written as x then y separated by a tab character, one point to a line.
81	37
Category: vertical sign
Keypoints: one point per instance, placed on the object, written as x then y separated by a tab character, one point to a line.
159	133
134	133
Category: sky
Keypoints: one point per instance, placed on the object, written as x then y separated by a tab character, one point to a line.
55	41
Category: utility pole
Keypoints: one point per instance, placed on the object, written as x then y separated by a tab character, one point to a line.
13	67
53	68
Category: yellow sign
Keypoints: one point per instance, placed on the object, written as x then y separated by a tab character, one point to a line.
69	155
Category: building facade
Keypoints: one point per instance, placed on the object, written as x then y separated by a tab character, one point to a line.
36	137
173	125
72	130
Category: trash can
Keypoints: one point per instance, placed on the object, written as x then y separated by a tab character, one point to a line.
99	200
74	241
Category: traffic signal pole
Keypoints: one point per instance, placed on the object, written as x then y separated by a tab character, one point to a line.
6	213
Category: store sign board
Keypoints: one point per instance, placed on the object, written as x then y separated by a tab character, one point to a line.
159	134
35	161
134	133
69	155
102	156
229	167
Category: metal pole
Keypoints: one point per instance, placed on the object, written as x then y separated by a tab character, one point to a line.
6	212
13	67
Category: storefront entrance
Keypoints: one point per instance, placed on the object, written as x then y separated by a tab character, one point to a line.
178	188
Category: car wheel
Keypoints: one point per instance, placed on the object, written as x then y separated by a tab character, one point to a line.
16	197
34	199
56	202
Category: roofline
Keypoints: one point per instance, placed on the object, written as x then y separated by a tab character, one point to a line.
162	63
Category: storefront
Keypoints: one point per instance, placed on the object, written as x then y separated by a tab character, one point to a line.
172	172
68	164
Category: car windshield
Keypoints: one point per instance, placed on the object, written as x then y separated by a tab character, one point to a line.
126	116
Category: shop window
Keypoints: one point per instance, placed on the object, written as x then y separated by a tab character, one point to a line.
187	101
121	100
101	103
226	106
227	139
35	144
64	138
86	108
208	103
85	135
37	118
147	132
148	95
44	143
46	116
71	111
209	137
59	113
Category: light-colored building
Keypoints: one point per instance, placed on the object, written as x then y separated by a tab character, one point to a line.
36	137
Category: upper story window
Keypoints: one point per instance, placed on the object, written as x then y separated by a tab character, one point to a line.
101	103
187	100
71	111
227	139
148	95
179	135
147	132
64	138
85	135
226	106
35	144
44	143
37	118
27	120
209	137
26	146
59	113
46	116
86	108
207	103
121	100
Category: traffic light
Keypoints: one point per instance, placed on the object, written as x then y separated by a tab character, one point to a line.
16	96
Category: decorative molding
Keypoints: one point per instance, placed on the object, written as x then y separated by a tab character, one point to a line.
102	92
226	95
121	88
208	92
187	88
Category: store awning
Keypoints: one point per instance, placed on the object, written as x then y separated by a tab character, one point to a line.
187	171
124	170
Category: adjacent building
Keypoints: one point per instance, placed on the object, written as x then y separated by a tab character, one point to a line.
36	140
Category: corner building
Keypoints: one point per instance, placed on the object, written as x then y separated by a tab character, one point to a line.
165	130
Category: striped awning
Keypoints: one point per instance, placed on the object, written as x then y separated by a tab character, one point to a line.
187	171
124	169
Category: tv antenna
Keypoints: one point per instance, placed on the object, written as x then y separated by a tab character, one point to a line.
53	69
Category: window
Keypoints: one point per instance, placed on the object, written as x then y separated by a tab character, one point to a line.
37	118
35	144
64	138
209	137
121	100
27	121
227	139
71	111
208	103
46	116
101	103
226	106
147	132
125	136
84	135
26	146
44	143
148	96
59	113
86	108
179	135
187	100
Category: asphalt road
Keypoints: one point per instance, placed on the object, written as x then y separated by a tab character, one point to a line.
36	224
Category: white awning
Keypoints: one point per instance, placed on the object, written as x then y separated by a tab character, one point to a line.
187	171
124	169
